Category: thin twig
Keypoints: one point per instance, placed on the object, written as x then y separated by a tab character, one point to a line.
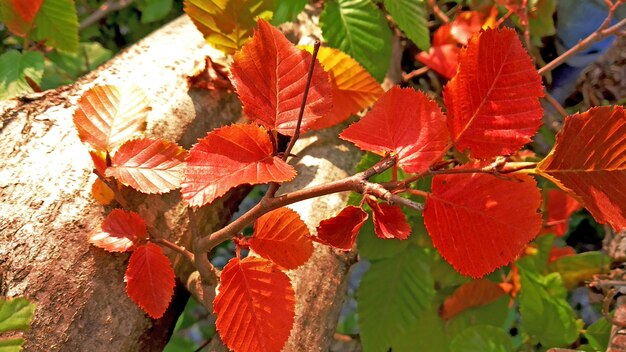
599	34
113	186
504	18
437	11
417	72
102	11
176	248
555	104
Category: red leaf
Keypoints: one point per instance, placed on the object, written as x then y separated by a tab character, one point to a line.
589	162
479	222
560	208
150	279
99	160
228	157
148	165
341	231
470	295
107	116
270	75
492	102
214	76
558	252
405	122
255	306
282	237
443	58
19	15
389	221
119	232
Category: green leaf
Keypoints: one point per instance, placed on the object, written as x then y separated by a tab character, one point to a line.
575	269
394	292
14	68
426	334
287	10
57	25
11	345
482	338
494	314
541	22
357	28
373	248
412	20
15	314
64	68
598	335
154	10
546	314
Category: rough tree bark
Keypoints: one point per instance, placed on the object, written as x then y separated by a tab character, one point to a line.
46	210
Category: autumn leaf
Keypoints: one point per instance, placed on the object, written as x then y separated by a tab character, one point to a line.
227	24
231	156
99	160
444	59
148	165
341	230
255	306
270	74
121	231
150	279
282	237
404	122
479	222
492	102
558	252
101	192
389	221
473	294
465	25
353	88
559	210
19	15
107	116
589	162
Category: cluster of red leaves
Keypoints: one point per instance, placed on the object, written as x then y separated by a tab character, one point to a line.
477	221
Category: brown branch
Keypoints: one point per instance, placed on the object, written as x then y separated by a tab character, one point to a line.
602	32
176	248
358	183
437	11
102	11
555	104
417	72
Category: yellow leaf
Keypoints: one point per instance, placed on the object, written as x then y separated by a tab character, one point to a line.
102	193
227	24
353	88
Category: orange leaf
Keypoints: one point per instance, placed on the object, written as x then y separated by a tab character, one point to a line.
107	116
470	295
148	165
589	162
270	75
560	208
101	192
341	231
353	88
228	157
255	306
282	237
389	221
99	160
479	222
443	58
19	15
150	279
492	102
121	231
404	122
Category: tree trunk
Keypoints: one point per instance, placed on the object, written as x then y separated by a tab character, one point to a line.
46	210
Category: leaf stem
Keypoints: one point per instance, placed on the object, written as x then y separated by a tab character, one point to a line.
176	248
437	11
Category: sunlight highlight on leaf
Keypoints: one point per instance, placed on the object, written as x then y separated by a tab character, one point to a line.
121	231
